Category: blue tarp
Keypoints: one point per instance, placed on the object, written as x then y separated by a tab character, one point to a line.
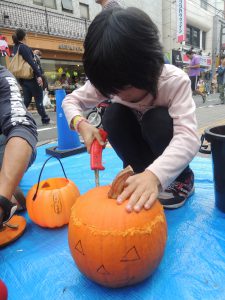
38	266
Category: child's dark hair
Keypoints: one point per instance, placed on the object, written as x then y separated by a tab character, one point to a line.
20	34
122	49
222	56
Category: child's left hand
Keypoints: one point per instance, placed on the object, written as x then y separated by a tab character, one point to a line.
141	189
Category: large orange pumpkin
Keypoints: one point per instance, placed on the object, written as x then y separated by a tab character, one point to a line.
111	246
52	205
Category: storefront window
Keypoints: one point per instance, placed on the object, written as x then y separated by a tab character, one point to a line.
63	74
193	36
46	3
67	5
84	11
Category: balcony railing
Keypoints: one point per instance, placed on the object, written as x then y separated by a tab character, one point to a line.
32	19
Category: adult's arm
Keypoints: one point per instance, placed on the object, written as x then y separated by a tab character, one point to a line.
195	66
196	63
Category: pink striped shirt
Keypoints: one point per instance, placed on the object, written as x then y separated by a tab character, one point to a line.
174	92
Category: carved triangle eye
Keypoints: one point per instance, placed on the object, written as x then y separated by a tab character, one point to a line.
102	270
131	255
79	247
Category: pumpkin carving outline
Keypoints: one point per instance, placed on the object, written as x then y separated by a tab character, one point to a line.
119	248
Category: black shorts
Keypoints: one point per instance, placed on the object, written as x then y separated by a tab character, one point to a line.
194	81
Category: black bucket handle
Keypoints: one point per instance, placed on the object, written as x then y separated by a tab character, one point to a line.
203	148
39	178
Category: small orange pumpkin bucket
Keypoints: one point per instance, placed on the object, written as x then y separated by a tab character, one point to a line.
49	201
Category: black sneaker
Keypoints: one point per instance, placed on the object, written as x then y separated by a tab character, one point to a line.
9	209
45	120
178	192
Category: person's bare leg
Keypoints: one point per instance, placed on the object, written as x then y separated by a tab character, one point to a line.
15	161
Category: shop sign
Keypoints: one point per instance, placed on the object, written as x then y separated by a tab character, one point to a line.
205	60
77	49
181	20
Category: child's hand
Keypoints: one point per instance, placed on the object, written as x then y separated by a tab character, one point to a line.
89	133
142	191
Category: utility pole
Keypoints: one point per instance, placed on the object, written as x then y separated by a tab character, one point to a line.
222	33
217	40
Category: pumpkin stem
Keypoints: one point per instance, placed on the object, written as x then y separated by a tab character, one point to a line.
118	183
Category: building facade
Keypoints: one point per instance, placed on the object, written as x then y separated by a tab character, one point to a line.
202	29
58	28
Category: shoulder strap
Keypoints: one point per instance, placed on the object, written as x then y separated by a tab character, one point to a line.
18	49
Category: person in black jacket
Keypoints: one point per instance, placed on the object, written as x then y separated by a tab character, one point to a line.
18	138
31	87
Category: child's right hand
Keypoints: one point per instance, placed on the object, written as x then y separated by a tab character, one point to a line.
89	133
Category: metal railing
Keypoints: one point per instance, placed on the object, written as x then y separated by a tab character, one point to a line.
32	19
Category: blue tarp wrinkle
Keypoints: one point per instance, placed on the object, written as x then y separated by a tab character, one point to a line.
38	266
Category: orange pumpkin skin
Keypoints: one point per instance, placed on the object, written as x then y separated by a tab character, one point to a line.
112	247
52	206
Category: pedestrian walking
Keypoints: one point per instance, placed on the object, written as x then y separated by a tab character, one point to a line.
151	123
31	87
221	78
194	72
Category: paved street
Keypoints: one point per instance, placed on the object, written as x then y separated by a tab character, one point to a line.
208	114
46	133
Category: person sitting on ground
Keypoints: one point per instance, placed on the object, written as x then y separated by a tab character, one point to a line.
221	78
194	72
17	144
151	123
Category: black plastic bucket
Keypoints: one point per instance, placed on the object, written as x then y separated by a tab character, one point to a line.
216	136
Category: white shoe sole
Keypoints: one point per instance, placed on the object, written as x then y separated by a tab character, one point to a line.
12	212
